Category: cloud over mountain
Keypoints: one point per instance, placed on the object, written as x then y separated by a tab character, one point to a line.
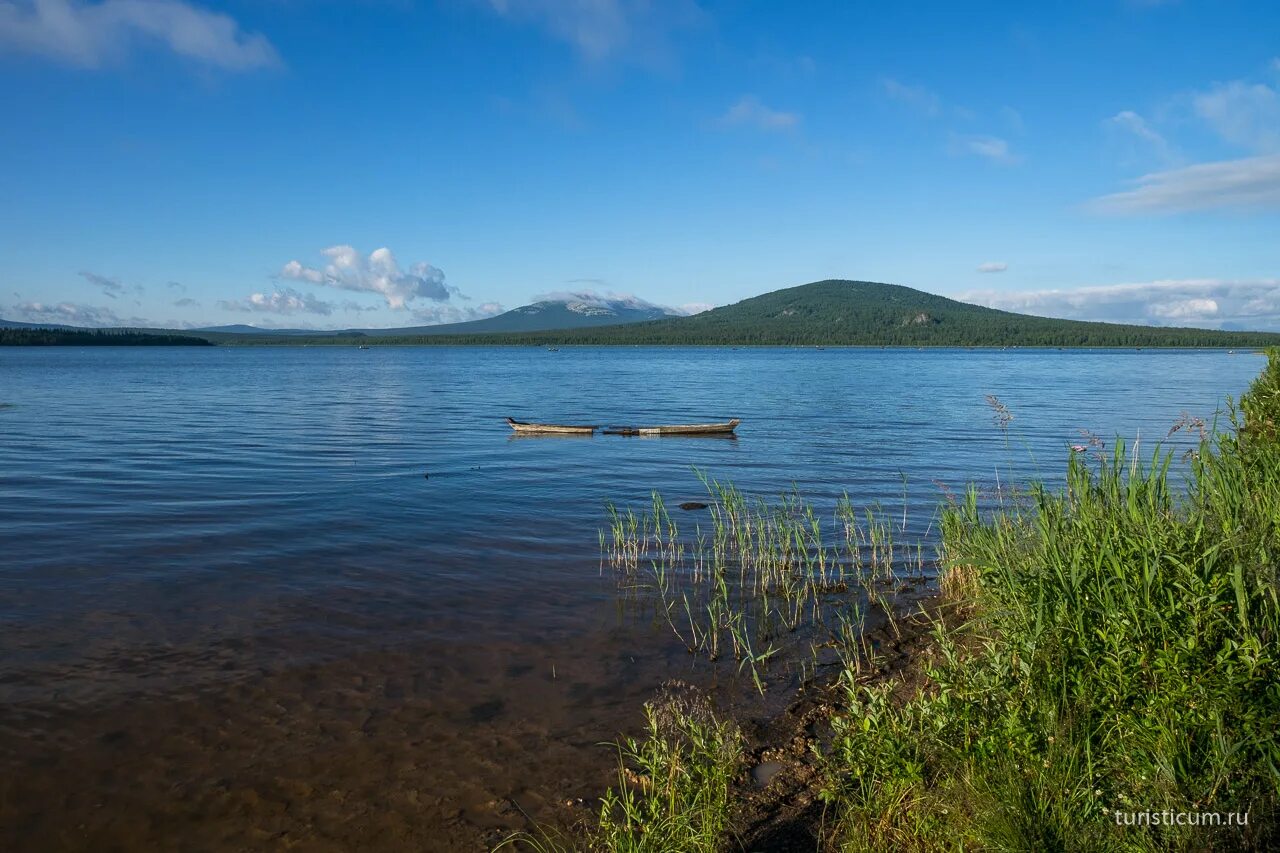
285	300
1207	303
71	314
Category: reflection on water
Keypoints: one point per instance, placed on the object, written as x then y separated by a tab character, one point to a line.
259	597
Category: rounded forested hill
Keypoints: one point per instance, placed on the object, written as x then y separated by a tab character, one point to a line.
864	313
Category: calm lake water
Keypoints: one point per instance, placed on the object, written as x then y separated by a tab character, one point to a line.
258	597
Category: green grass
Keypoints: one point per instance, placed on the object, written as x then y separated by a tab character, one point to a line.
1119	654
673	785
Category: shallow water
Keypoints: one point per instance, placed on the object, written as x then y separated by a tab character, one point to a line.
257	597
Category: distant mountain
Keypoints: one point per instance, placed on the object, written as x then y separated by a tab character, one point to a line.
545	315
242	329
570	312
862	313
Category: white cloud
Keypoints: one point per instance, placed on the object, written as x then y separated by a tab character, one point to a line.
110	286
1136	127
993	266
607	29
578	299
1242	113
991	148
918	98
1250	183
1185	309
91	34
72	314
286	300
750	112
376	273
1213	303
436	314
690	308
186	302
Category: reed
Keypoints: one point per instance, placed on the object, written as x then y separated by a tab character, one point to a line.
761	573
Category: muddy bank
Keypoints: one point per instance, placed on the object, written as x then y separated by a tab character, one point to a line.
779	809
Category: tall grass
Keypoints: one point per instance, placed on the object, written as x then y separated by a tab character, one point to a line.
760	572
1118	656
673	785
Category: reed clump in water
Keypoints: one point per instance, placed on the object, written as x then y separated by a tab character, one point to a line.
760	573
1118	658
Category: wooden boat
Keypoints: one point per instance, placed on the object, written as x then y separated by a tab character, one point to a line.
526	428
722	428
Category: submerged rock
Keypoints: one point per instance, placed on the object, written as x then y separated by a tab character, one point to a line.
762	774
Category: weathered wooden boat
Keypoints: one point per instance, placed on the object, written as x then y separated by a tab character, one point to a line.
721	428
526	428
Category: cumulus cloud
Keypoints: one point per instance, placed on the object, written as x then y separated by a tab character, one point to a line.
993	266
918	98
286	300
72	314
990	148
378	272
750	112
90	35
1249	183
186	302
1210	303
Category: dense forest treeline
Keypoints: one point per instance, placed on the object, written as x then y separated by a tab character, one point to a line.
93	337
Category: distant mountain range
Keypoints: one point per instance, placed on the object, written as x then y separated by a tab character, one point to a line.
568	313
833	312
14	324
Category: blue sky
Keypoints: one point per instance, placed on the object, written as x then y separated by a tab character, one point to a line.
318	163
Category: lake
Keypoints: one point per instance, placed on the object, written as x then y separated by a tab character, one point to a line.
260	597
